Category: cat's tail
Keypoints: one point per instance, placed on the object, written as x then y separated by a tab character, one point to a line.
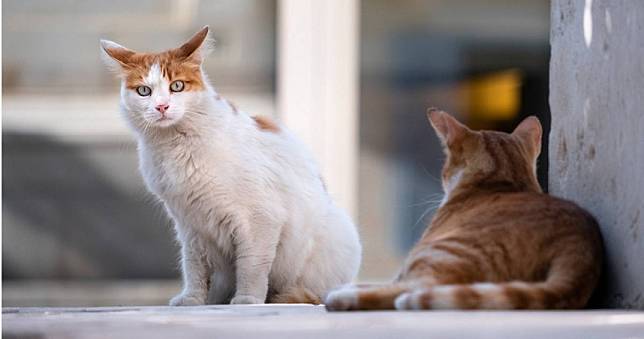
512	295
489	296
566	287
296	295
501	296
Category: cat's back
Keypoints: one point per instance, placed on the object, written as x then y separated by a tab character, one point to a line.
529	220
511	235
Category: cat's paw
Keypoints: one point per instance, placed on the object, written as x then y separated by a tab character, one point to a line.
246	299
342	299
187	300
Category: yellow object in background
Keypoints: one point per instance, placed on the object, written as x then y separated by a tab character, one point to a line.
493	97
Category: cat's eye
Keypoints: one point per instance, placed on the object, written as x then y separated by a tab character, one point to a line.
176	86
144	91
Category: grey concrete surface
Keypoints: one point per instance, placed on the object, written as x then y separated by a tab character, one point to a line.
596	141
308	321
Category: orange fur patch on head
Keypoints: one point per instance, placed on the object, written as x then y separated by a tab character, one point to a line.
266	124
183	63
172	68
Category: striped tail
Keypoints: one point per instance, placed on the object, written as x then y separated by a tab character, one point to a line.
504	296
563	289
489	296
569	285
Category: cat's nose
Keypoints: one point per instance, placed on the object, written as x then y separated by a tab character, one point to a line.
162	108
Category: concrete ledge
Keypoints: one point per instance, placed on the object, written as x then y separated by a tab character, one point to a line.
308	321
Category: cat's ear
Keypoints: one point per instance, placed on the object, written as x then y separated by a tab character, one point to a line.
196	48
447	128
530	131
115	56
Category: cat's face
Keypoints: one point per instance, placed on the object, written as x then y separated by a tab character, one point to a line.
488	157
158	90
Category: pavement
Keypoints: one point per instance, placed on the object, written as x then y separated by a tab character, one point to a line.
309	321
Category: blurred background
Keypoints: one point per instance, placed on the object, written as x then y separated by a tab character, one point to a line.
79	228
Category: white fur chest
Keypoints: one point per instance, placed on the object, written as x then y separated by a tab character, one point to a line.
196	192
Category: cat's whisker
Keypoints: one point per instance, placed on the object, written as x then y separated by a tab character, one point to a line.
433	197
428	201
146	126
422	216
432	176
195	112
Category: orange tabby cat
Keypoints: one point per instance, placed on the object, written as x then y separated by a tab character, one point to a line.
497	241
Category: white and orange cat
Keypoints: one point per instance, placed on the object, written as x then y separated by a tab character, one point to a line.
251	212
496	241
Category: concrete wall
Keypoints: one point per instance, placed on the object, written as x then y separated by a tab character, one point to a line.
597	135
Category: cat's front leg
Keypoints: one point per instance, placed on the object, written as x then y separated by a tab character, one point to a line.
254	258
195	272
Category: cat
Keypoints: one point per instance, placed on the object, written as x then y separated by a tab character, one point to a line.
496	241
250	210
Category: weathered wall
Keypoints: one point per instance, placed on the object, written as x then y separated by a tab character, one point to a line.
597	136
